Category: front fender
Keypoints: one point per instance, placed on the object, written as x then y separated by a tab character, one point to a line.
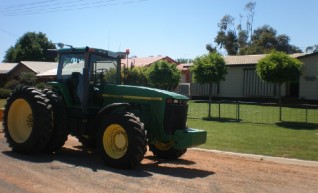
109	109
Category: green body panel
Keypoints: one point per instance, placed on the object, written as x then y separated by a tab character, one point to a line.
189	138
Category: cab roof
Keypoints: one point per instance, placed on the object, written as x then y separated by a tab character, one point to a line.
106	53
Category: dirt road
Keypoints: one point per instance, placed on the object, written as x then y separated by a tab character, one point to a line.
75	169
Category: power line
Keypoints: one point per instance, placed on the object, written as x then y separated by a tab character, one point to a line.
9	33
17	6
58	6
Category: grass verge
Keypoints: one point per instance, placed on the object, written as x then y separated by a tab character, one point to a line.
279	140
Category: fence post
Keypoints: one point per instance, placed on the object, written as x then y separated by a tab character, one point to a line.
219	110
238	111
306	113
280	112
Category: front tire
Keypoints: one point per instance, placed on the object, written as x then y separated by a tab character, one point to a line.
27	120
122	141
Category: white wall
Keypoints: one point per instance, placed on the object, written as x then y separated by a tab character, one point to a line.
233	84
308	84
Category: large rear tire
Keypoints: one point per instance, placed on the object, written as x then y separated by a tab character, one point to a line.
122	141
60	128
27	120
166	151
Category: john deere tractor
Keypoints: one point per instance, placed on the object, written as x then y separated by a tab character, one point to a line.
88	101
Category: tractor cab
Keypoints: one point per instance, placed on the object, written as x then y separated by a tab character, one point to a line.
84	71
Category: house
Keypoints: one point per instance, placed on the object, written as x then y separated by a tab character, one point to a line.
185	72
145	61
10	71
243	82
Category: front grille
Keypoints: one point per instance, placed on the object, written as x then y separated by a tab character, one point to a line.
175	117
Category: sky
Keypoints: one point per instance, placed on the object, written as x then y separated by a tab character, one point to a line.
174	28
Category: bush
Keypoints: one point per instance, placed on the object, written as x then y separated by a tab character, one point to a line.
5	93
11	84
42	85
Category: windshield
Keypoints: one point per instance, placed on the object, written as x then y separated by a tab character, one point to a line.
103	70
71	64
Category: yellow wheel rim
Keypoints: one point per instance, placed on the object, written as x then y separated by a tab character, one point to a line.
115	141
20	120
163	146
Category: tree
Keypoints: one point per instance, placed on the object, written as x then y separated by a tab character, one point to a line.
31	47
312	49
210	68
226	37
243	40
278	68
265	39
163	75
250	7
183	60
136	76
211	48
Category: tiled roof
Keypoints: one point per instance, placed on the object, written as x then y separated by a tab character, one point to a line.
184	66
40	67
139	62
250	59
7	67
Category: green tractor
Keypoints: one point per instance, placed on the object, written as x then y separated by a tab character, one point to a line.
88	101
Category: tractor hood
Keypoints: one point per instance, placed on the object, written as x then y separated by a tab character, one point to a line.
139	93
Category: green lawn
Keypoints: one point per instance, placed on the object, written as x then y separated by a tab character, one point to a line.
263	139
257	129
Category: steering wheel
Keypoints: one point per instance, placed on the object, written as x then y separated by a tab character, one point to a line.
100	73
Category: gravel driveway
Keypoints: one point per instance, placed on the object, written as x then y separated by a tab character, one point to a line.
75	169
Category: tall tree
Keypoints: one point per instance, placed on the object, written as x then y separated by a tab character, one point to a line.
163	75
250	7
209	69
243	40
31	47
226	37
279	67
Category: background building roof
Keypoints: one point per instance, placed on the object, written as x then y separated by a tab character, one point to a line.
7	67
51	72
250	59
40	67
139	62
